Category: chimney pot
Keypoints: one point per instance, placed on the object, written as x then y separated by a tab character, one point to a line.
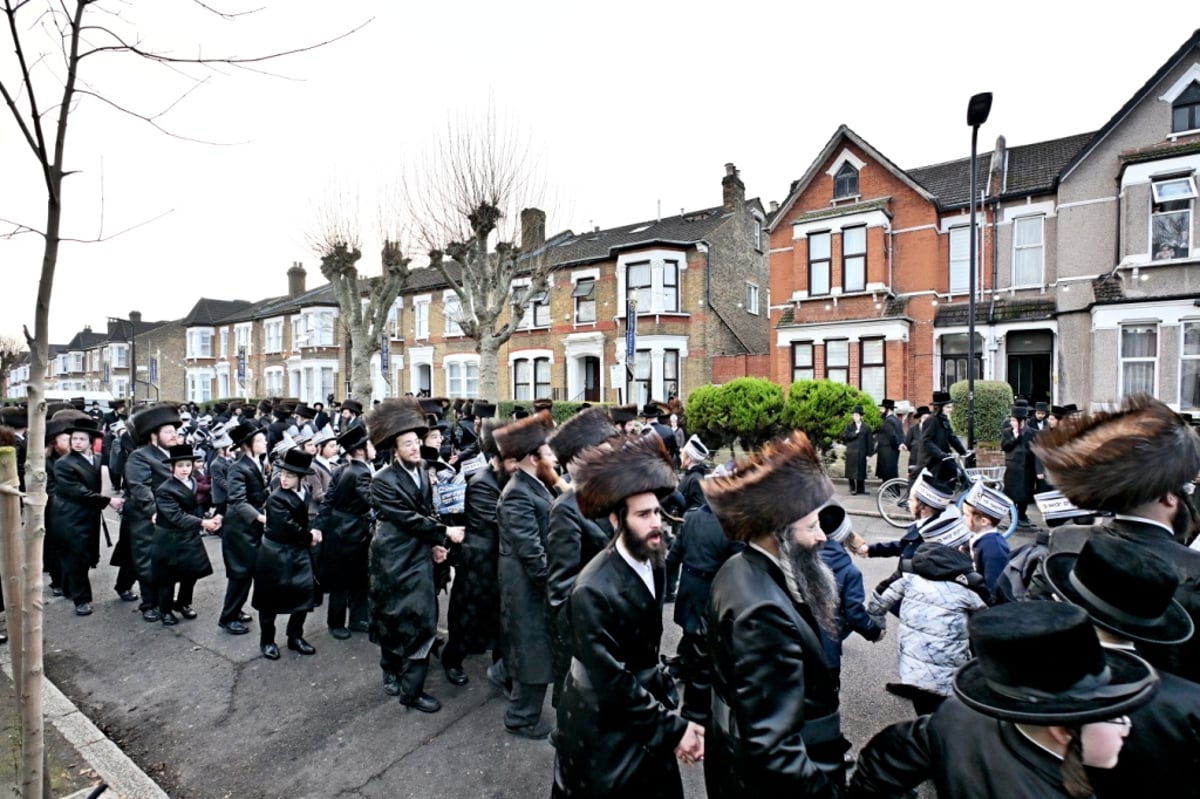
732	188
774	206
730	169
296	279
135	317
533	229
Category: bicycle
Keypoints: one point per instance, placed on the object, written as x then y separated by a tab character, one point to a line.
892	498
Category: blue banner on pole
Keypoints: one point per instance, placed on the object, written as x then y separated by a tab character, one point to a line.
241	365
106	374
385	356
153	370
630	335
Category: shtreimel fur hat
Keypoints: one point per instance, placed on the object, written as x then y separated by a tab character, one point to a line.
524	436
606	477
624	413
1120	459
585	429
772	488
394	417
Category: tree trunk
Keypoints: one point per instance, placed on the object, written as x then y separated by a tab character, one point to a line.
489	348
361	385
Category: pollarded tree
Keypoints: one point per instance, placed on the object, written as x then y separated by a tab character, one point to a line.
11	352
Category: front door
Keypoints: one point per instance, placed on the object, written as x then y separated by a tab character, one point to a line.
591	379
1029	359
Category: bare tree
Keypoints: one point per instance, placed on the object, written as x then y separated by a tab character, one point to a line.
467	201
12	350
52	42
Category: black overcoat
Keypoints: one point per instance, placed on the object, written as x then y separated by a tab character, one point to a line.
912	440
612	720
887	448
860	445
240	529
402	596
219	469
78	504
1018	463
524	519
701	549
283	572
937	441
145	470
179	552
774	705
690	486
474	613
345	525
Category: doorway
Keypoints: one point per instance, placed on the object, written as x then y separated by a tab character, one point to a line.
1030	354
591	379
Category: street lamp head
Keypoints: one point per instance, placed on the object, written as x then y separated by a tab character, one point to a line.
978	109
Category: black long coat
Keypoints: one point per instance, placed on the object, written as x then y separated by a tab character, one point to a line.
524	519
145	470
283	572
78	504
1018	463
612	720
402	596
860	444
179	552
219	469
774	703
701	548
345	525
912	440
690	486
240	529
473	617
937	441
887	448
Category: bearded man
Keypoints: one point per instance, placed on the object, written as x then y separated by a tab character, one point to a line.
775	729
617	734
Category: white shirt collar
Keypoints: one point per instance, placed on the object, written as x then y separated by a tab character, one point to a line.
641	568
1038	744
1126	517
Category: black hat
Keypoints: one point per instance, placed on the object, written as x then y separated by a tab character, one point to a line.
182	452
1041	663
305	412
835	523
857	409
433	405
353	438
524	436
1058	411
922	410
243	433
61	421
352	405
88	425
151	419
607	477
1041	406
296	461
395	417
624	413
890	404
1125	588
16	418
1020	411
519	412
483	409
650	411
1070	408
941	398
585	429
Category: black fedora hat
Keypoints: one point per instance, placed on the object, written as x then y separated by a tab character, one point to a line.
1020	411
941	398
1124	588
1041	663
181	452
151	419
88	425
890	404
354	438
243	433
296	461
352	405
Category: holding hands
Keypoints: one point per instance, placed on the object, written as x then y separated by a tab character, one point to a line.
691	747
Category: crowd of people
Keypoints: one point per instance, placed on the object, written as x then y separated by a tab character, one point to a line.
560	543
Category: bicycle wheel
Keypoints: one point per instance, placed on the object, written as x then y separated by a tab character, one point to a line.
892	500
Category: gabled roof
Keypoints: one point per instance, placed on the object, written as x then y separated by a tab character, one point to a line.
1132	102
85	340
687	229
840	136
207	312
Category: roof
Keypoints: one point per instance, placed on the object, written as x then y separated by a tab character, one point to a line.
1005	310
841	210
208	312
85	340
1035	168
687	228
893	308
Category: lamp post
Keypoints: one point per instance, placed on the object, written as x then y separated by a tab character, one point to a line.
977	113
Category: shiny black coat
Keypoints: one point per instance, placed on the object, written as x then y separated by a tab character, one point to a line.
912	440
967	755
690	486
179	552
240	529
219	471
938	441
345	524
402	595
860	445
474	613
78	505
612	720
145	470
1018	462
283	572
774	704
701	549
524	521
887	448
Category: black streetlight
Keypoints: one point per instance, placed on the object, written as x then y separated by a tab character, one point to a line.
977	113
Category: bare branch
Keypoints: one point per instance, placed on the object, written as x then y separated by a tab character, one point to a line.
150	120
226	15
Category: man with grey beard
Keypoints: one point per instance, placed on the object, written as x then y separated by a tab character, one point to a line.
775	729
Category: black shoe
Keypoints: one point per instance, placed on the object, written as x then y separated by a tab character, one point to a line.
391	683
534	732
340	633
359	627
301	646
456	676
424	703
128	596
151	614
83	609
169	619
245	618
270	651
186	611
234	627
55	590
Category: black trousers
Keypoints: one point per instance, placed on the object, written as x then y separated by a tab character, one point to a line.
354	601
411	671
126	577
168	601
76	583
295	626
237	591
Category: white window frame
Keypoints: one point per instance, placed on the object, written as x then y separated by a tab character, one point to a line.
1018	279
1122	359
393	320
826	259
879	391
273	335
1185	359
811	369
752	298
452	313
243	336
537	307
118	356
420	306
459	382
532	356
197	337
659	261
224	336
273	377
1178	194
840	342
858	256
577	301
963	262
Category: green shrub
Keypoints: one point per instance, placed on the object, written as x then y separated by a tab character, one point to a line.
823	408
754	407
562	411
993	401
707	415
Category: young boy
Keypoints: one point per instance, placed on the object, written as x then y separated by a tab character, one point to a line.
983	508
178	552
852	616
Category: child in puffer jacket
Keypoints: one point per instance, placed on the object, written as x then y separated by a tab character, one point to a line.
940	594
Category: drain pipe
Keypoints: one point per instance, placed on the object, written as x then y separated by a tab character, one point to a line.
706	247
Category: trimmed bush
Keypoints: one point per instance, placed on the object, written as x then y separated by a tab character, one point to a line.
562	411
993	401
823	408
754	406
707	415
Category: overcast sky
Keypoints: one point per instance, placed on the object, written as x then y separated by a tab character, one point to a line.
626	104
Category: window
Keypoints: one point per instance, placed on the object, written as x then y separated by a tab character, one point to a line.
955	357
1171	218
421	319
818	263
752	298
199	343
584	295
655	294
322	329
462	379
960	254
327	384
1028	251
224	342
76	361
452	310
394	324
837	361
199	388
537	307
758	234
872	376
640	285
845	182
802	361
1139	358
854	259
531	379
643	374
1185	111
299	337
274	382
274	336
1189	367
119	356
671	373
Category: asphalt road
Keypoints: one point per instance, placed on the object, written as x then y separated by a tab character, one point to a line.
205	715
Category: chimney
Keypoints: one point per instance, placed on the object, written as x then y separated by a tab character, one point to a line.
296	277
135	317
733	188
998	172
774	206
533	229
